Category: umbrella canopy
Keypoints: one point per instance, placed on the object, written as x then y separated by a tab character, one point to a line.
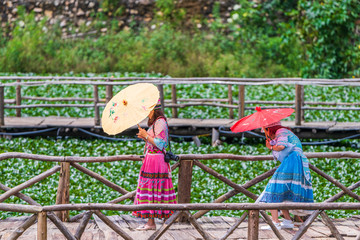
261	118
129	107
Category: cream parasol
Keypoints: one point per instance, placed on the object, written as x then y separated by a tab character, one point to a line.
129	107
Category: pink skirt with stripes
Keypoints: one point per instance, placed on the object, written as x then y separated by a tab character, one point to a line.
154	186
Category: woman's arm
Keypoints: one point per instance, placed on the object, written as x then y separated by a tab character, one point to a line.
160	138
274	146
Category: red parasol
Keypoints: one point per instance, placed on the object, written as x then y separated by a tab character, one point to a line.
261	118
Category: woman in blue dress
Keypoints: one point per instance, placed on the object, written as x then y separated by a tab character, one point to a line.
291	181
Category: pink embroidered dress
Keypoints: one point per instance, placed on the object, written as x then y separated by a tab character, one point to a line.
155	184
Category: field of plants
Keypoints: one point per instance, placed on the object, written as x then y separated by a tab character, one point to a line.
84	189
308	39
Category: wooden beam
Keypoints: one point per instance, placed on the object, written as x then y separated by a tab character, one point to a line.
23	227
197	226
327	221
174	101
112	225
230	101
63	191
109	91
233	192
42	226
233	227
18	98
82	225
335	182
184	183
158	233
100	178
253	225
2	106
161	91
96	107
58	223
225	180
241	101
28	183
298	104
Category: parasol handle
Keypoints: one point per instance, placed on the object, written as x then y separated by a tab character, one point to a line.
266	133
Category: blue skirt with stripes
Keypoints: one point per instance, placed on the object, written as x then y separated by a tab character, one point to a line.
289	182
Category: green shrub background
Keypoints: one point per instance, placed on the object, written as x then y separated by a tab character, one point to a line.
270	39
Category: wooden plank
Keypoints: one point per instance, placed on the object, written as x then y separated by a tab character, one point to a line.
133	222
111	230
57	121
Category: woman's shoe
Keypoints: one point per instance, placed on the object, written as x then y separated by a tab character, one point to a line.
287	224
277	225
145	228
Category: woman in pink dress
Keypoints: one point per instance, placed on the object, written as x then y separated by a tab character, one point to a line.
155	184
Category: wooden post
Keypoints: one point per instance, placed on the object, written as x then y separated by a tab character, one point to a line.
96	101
18	99
42	226
253	225
161	90
184	183
241	101
230	101
174	100
109	92
298	103
215	137
303	103
2	106
62	196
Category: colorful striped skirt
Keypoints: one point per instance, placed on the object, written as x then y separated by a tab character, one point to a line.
154	186
289	184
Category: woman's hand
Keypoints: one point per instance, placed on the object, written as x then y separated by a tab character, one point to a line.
142	134
268	145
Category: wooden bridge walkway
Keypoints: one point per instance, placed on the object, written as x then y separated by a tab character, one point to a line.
178	126
216	227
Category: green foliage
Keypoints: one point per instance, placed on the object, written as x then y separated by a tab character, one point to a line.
167	11
260	39
31	46
84	189
327	28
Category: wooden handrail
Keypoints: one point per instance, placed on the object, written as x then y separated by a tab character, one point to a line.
255	209
213	156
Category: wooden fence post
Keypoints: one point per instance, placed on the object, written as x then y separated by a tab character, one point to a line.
63	195
253	225
298	103
241	101
42	226
18	99
184	183
96	108
174	100
230	101
109	92
161	90
2	106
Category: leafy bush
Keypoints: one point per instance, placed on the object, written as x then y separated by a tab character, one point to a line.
327	29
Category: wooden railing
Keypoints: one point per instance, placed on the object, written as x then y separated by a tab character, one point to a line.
60	211
175	103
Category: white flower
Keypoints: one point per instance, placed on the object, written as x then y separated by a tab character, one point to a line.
21	23
229	20
237	6
235	16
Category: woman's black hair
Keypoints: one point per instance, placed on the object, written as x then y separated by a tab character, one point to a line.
158	113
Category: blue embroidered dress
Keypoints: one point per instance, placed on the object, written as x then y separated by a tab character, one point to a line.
291	182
